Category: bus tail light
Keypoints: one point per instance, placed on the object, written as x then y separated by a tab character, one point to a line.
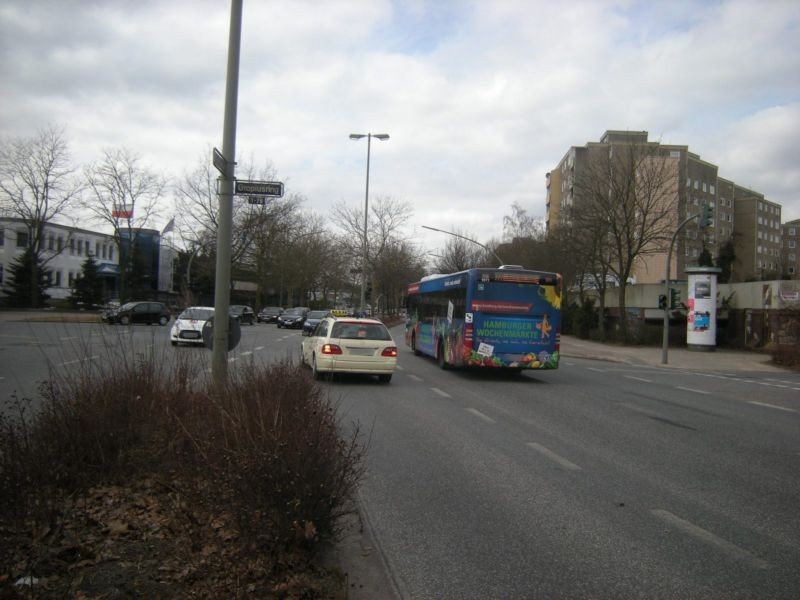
389	351
331	349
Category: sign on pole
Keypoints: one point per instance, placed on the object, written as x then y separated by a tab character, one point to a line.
219	162
259	188
257	200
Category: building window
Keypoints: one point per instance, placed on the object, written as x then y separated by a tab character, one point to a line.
688	182
58	278
111	253
1	273
705	187
712	189
22	239
70	278
792	231
791	243
2	237
80	247
51	242
72	245
97	249
60	243
696	185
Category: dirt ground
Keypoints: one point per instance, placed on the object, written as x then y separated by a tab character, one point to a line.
145	540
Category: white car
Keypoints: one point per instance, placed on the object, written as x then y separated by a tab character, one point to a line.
188	327
349	345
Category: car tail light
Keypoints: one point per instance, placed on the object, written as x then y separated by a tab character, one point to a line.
331	349
389	351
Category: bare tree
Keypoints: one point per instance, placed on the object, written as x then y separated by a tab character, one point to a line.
460	254
628	196
38	185
124	195
387	219
519	224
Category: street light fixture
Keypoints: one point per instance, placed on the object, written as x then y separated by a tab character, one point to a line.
369	136
499	260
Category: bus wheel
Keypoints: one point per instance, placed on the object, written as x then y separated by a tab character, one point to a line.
440	358
414	344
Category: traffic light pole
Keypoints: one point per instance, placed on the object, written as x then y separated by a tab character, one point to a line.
667	295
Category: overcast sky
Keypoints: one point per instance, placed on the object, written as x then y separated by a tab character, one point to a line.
480	99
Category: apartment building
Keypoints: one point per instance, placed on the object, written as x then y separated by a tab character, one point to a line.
696	184
790	259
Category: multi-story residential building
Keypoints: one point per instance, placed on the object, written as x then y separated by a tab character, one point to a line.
790	261
756	237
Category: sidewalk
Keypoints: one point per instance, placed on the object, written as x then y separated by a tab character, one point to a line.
720	359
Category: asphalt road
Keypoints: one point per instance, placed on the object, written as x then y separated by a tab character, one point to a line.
598	480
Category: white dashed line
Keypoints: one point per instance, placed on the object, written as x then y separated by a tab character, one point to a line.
441	393
415	378
639	379
480	415
771	406
258	348
74	362
706	536
560	460
685	389
246	353
596	370
399	368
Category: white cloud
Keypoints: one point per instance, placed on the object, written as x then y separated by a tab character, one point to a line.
480	98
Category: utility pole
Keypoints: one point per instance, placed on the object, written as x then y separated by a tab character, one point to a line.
222	288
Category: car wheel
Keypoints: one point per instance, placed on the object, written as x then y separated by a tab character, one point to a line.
125	320
174	343
414	344
302	356
317	375
163	320
440	359
279	325
385	378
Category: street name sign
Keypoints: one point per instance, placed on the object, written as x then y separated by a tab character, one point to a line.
259	188
219	162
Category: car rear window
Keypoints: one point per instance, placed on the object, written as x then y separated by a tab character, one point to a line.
360	331
198	314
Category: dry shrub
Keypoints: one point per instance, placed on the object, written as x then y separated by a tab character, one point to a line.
268	448
787	355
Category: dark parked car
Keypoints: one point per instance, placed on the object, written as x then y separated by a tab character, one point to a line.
243	314
293	318
138	312
312	320
269	314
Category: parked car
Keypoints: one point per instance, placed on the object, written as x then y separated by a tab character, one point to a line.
293	318
350	345
312	320
269	314
243	314
138	312
188	327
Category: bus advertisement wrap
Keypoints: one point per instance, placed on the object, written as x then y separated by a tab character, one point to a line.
487	318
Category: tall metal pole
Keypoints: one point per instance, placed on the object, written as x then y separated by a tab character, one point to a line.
665	331
485	247
363	304
222	288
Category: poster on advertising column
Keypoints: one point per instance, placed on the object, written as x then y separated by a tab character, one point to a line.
701	318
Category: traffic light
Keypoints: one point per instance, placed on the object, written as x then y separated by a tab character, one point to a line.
674	298
662	301
706	217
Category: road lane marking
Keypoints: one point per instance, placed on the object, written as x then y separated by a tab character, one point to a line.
258	348
441	393
771	406
79	360
73	337
480	415
560	460
399	368
596	370
685	389
639	379
415	378
706	536
246	353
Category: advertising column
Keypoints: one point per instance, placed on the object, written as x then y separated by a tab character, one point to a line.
701	318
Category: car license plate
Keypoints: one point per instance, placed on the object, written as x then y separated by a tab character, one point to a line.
190	334
362	351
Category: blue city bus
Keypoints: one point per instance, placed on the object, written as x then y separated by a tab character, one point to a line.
507	318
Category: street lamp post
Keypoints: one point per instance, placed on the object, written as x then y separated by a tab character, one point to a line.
499	260
369	136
